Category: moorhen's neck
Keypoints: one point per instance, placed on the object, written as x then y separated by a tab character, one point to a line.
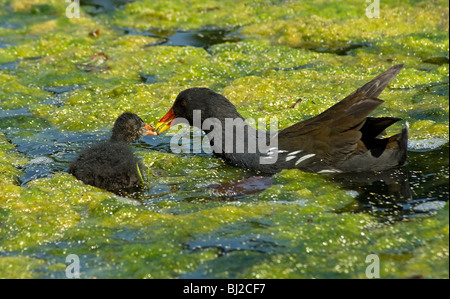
121	133
121	136
234	139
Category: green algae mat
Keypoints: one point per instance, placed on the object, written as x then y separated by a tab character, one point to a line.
66	73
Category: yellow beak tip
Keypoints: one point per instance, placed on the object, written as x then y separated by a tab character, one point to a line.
165	122
162	127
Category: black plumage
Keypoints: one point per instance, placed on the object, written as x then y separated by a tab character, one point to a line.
111	165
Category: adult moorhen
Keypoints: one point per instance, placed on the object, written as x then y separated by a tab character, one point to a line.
111	165
341	139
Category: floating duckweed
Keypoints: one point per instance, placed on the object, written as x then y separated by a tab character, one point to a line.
199	217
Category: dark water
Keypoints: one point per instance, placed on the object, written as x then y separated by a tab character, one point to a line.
104	6
202	38
419	187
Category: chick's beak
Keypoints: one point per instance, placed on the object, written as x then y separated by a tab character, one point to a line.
165	122
150	130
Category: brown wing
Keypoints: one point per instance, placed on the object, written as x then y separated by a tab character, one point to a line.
335	134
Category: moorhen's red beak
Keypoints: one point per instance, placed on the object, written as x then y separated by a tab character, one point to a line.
165	122
150	130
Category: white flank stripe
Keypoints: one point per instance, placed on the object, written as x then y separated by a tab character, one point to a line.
325	171
288	158
294	153
274	150
304	158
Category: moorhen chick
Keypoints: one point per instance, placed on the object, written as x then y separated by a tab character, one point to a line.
339	140
111	165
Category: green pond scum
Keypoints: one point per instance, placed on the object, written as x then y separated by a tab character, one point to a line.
63	82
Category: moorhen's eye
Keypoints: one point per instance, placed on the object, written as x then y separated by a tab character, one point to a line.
183	103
